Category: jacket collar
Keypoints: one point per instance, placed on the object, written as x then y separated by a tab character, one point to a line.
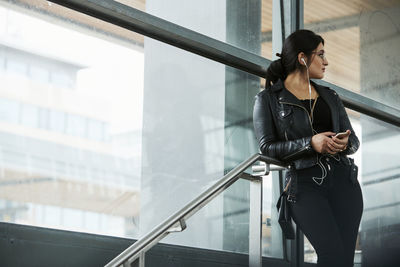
285	96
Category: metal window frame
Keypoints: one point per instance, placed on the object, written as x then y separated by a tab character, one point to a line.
287	20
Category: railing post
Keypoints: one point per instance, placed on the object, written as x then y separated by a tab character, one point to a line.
255	222
139	262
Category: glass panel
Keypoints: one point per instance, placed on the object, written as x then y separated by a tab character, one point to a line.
272	245
134	131
359	128
70	120
379	171
266	29
380	226
245	24
361	42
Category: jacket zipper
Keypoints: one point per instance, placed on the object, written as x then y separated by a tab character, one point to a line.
309	119
295	153
312	133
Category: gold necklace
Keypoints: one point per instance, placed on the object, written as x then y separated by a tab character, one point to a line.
312	111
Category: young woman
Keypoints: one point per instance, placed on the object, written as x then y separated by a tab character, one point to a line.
297	121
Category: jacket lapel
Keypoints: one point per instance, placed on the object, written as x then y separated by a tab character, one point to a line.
285	96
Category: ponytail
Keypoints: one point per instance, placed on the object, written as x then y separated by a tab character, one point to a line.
275	72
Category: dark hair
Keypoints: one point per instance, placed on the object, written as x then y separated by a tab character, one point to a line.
304	41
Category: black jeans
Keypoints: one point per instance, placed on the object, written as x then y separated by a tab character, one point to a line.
329	214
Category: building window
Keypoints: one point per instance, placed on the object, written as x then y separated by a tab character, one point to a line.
57	121
76	125
29	115
9	110
16	66
39	73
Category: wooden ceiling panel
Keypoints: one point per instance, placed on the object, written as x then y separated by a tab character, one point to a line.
266	16
343	54
319	10
138	4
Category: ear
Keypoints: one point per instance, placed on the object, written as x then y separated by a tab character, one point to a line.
300	56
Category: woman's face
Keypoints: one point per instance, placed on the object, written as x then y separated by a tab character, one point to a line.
318	63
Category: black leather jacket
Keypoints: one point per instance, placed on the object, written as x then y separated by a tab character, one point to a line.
283	127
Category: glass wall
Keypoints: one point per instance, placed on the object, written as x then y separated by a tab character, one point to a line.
379	173
380	226
244	24
71	112
361	44
109	132
106	131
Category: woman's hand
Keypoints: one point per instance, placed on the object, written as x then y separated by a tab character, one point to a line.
342	141
323	143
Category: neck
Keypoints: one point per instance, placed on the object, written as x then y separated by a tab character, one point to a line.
297	81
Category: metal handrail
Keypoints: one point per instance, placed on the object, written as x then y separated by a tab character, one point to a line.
177	220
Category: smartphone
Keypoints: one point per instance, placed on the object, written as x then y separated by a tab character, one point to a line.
341	135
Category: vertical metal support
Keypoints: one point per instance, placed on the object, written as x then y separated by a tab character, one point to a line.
255	223
278	247
277	28
138	262
141	259
287	17
300	13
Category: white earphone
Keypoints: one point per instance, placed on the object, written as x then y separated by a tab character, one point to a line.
304	62
309	85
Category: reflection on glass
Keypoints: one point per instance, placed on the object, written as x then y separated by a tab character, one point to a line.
227	21
377	159
29	115
67	105
112	133
380	225
361	43
9	110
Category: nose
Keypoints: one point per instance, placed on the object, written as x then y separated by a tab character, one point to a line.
325	61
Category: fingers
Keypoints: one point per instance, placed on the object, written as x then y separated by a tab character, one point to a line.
331	144
334	148
330	151
340	144
328	133
337	145
339	141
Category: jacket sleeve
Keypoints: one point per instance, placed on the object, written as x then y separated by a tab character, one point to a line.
353	143
268	140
